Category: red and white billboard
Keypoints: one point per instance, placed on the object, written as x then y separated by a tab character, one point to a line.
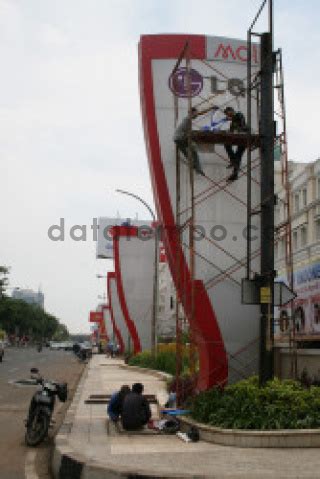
134	259
107	321
117	317
225	331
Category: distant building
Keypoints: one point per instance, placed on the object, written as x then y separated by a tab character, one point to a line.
304	180
29	296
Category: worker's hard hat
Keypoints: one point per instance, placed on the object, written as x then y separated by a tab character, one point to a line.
228	109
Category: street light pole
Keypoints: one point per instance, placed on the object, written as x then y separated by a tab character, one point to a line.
156	272
128	193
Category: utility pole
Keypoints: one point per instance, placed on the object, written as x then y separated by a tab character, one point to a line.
267	210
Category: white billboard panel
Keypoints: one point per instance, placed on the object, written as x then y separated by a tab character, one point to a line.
135	268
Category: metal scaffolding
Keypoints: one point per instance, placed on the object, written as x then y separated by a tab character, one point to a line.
260	87
200	137
284	229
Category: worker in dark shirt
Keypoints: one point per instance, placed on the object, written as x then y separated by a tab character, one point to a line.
135	409
237	125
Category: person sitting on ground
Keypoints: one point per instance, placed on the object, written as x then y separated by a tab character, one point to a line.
114	408
135	410
181	138
237	125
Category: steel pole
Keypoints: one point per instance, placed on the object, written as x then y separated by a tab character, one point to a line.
267	208
249	193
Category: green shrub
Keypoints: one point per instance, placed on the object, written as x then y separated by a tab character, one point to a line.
143	360
165	361
277	405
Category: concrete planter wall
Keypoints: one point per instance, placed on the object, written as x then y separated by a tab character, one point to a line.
241	438
152	372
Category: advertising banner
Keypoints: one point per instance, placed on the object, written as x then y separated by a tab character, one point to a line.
306	306
225	330
95	317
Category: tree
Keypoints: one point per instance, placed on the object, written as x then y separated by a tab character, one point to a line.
17	315
61	333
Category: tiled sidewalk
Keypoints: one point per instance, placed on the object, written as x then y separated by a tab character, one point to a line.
145	455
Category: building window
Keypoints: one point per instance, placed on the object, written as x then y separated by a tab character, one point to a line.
284	211
296	202
295	240
304	197
303	235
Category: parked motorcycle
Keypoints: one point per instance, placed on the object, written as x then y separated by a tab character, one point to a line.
41	407
82	351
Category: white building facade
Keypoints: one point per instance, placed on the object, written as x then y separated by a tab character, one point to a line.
304	182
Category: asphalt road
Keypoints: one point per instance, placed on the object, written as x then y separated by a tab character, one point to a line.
14	403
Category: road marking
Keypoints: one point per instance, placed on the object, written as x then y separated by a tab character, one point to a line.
13	370
26	383
29	466
10	408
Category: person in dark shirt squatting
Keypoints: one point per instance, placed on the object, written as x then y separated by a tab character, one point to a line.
135	409
237	125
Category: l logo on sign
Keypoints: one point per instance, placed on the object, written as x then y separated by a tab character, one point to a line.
179	82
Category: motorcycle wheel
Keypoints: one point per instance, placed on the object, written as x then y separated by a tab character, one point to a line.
38	429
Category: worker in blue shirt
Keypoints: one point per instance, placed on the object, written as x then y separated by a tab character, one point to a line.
114	408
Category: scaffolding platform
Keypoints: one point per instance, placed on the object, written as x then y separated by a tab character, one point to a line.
225	138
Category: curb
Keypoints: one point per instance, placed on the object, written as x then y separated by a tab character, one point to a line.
59	463
277	439
153	372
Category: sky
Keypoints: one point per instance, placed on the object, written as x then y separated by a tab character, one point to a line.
70	123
